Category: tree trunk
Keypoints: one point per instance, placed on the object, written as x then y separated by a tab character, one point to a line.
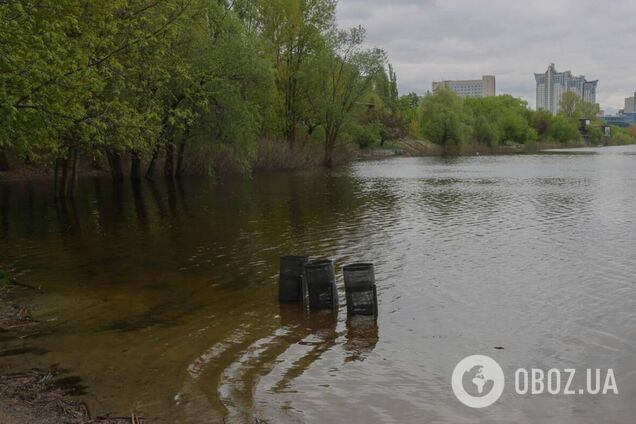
63	185
73	178
329	145
168	167
150	172
4	161
135	166
291	136
114	160
56	177
179	170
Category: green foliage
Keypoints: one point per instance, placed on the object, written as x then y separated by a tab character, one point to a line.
445	120
501	120
149	78
564	130
409	109
595	134
143	76
364	135
622	136
516	129
294	31
486	131
573	107
341	75
541	121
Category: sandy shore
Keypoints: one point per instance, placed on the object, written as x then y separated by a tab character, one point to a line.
35	395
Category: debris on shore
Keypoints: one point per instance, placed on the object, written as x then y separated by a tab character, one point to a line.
34	397
38	396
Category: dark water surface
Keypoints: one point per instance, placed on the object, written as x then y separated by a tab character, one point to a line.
162	299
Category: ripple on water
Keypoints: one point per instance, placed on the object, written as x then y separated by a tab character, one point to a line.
531	253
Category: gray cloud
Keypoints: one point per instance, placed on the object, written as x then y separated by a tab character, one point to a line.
459	39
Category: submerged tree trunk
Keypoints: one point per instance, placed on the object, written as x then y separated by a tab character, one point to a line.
328	161
114	161
56	176
65	174
168	167
4	161
63	184
150	172
135	166
179	170
73	177
330	143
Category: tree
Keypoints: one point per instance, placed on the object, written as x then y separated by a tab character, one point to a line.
295	31
217	81
409	105
568	105
541	121
382	111
573	107
486	131
515	128
445	121
343	74
79	77
564	130
149	80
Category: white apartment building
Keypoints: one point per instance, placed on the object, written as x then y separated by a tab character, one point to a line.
630	104
484	87
551	86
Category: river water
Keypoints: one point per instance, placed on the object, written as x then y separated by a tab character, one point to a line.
163	298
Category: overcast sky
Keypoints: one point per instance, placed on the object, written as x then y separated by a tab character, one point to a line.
430	40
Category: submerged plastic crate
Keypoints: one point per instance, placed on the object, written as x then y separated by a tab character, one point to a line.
360	289
290	282
321	285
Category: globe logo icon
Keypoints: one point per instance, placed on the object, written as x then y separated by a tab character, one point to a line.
477	381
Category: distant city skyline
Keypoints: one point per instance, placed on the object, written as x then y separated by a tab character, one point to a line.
433	40
552	85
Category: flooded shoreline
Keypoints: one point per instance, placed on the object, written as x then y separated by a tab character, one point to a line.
164	300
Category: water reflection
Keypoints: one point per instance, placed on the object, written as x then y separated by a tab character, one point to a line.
178	282
361	338
317	335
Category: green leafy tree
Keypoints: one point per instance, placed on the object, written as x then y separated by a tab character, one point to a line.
541	122
564	130
516	129
342	74
486	131
568	105
152	80
409	105
573	107
445	121
295	31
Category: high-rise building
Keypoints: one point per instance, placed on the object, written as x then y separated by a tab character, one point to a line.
484	87
630	104
551	86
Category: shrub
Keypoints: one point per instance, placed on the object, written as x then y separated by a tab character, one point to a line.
564	130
